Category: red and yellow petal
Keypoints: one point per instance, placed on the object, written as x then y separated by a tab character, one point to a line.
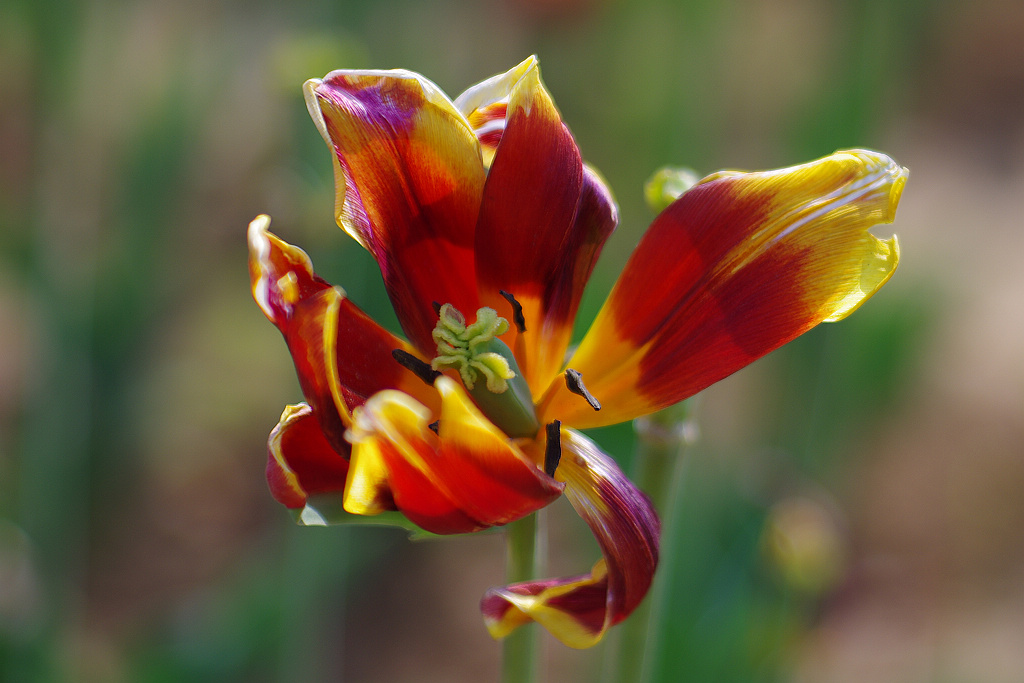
485	105
595	220
280	274
737	266
578	610
542	223
409	178
301	462
466	477
341	356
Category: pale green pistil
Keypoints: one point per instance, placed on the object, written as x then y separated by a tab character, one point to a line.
473	351
464	348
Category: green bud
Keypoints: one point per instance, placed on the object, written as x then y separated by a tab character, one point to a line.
667	185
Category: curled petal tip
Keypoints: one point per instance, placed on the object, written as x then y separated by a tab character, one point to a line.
309	89
578	610
877	171
279	272
259	243
259	224
300	460
494	88
901	175
259	254
880	182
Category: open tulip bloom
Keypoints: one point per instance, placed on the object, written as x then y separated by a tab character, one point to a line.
486	225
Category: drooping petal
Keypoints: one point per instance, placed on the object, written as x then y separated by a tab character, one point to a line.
408	177
300	461
543	221
737	266
466	477
578	610
341	356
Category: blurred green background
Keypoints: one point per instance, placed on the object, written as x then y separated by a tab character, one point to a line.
850	512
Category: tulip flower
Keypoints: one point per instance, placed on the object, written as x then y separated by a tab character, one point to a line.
486	225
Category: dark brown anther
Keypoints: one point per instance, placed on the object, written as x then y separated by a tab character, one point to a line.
437	307
434	425
517	310
553	448
574	382
419	368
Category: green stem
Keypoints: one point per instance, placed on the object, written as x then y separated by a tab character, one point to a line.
520	649
661	441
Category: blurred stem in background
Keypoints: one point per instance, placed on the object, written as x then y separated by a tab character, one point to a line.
520	654
658	463
51	495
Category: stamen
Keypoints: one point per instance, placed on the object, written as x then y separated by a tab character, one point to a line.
553	448
437	307
574	382
517	310
418	367
434	426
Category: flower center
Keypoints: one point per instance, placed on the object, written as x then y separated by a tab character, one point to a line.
487	367
469	349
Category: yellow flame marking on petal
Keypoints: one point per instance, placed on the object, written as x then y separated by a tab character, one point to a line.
330	339
580	478
367	475
290	414
288	285
563	625
391	416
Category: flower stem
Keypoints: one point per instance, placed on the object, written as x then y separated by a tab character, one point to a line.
520	649
661	441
